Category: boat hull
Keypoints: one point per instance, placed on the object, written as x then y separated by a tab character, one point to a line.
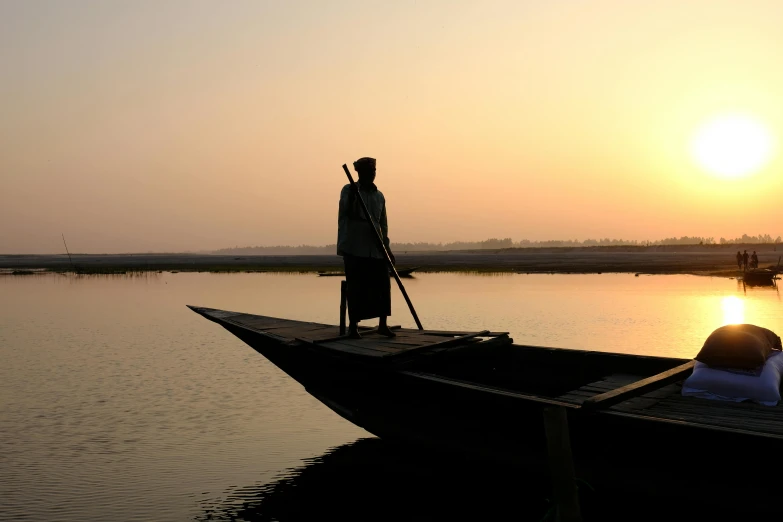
615	451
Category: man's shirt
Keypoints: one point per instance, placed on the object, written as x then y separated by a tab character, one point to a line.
354	235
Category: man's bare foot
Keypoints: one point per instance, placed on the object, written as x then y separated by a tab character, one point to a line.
384	330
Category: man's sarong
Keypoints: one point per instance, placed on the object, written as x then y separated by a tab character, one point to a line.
369	287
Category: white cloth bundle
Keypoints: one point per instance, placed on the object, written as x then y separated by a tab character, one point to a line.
712	383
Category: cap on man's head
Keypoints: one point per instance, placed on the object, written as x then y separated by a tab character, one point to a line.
364	163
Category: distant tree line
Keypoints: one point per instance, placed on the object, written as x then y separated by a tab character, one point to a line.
761	238
495	244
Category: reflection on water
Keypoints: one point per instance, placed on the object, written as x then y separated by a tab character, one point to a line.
373	480
758	285
120	403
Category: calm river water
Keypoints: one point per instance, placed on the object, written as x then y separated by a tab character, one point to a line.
119	403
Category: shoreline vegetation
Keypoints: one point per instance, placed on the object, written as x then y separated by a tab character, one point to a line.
506	243
717	260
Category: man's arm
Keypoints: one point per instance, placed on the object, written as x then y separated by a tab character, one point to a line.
344	203
343	245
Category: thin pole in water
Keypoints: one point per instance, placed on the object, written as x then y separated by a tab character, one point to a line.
382	246
69	254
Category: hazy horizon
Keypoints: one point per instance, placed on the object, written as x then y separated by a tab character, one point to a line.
179	126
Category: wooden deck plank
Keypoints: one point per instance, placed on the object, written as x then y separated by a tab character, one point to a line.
356	351
707	412
407	342
455	333
261	322
464	349
731	405
385	348
421	334
361	344
395	348
747	422
454	341
419	340
668	403
365	351
404	344
375	351
698	406
335	335
721	417
294	327
298	331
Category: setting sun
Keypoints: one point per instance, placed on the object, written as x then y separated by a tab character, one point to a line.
732	146
733	310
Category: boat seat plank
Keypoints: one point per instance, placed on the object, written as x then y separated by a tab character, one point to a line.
612	397
614	381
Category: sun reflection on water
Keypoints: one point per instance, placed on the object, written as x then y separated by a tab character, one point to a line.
733	310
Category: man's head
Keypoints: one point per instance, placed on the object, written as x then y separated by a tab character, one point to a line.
365	168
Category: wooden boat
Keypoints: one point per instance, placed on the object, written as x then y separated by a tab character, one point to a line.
402	272
763	276
477	393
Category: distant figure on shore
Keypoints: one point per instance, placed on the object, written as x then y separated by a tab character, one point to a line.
754	260
366	272
745	260
739	259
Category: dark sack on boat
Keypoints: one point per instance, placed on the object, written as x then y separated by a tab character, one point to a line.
742	346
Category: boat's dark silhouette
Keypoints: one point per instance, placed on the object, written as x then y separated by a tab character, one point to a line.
478	395
760	277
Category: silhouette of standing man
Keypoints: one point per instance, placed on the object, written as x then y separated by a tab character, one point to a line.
745	260
739	259
754	260
366	271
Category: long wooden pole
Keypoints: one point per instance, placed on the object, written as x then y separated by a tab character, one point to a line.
382	246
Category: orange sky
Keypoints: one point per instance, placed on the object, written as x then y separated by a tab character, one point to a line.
189	125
